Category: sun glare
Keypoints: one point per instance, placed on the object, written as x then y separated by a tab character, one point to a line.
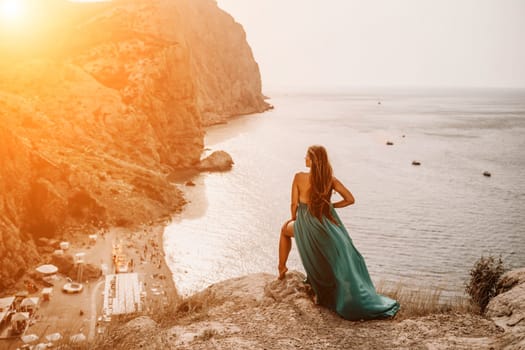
11	10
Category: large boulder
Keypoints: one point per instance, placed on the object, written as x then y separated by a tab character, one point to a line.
217	161
64	262
508	308
91	272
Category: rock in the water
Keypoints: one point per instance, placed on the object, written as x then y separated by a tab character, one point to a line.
217	161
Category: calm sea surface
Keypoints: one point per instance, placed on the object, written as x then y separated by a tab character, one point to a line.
423	226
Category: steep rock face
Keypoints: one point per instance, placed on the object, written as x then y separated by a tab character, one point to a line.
227	76
15	253
508	308
98	104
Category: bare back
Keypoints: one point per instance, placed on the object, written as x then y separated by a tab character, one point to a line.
301	191
302	186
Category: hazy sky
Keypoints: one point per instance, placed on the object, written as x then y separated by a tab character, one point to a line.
449	43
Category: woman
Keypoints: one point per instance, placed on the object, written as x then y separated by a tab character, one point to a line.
336	270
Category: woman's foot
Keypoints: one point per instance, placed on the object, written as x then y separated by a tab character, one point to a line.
282	271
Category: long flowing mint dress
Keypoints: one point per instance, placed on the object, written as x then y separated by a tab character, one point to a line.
335	269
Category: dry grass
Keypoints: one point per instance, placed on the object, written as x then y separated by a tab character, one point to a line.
423	302
484	277
185	310
175	311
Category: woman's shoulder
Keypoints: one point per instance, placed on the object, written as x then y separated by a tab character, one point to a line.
301	177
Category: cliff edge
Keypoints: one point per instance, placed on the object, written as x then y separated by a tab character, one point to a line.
99	103
259	312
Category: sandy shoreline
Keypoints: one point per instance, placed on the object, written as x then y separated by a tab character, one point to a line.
70	314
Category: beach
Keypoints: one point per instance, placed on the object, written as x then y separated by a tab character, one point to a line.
81	313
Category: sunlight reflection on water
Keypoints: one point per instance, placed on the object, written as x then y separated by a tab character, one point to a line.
423	226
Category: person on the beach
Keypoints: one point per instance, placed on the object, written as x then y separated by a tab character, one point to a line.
335	269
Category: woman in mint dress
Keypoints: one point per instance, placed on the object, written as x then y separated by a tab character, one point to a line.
335	269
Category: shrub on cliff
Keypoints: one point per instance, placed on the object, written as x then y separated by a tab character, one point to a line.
484	277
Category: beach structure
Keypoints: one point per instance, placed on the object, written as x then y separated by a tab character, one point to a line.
29	338
6	307
79	257
77	338
122	294
19	322
121	263
47	269
58	252
72	288
29	305
116	250
79	260
54	337
120	260
46	293
6	304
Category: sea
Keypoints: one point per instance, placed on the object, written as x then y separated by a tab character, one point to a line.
417	226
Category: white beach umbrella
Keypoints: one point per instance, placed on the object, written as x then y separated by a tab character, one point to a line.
41	346
54	337
47	269
20	316
77	338
29	338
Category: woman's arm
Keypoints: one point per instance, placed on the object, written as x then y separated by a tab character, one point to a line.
295	198
348	198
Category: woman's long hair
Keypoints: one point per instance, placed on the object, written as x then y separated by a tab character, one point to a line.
320	183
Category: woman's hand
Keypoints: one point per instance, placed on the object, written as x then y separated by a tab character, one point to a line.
348	198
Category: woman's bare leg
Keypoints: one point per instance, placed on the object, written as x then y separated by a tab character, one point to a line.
285	245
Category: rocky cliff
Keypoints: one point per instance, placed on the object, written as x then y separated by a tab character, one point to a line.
99	103
260	312
507	309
